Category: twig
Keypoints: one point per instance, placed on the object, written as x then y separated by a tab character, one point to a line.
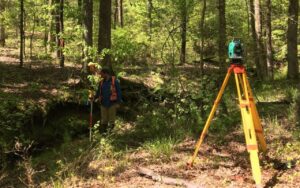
163	179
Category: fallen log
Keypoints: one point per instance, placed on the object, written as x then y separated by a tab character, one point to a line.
165	180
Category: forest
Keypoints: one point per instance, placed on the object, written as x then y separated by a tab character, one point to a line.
138	93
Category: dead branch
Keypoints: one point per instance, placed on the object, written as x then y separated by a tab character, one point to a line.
163	179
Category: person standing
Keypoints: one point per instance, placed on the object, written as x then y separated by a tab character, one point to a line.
109	95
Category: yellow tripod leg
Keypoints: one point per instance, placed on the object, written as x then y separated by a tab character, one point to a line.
248	126
210	117
256	119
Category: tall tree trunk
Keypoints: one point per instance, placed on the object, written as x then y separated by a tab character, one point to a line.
150	25
184	21
222	34
59	32
32	35
292	35
61	38
121	13
116	12
2	26
79	4
57	29
104	37
150	20
50	39
254	37
22	37
88	31
202	22
263	68
269	38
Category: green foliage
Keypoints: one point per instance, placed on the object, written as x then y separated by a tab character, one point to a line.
126	47
294	96
161	149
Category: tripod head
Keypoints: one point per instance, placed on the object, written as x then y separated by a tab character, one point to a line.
235	51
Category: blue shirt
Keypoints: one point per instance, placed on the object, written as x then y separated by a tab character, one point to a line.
106	93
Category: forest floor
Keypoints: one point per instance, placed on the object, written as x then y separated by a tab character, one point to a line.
114	160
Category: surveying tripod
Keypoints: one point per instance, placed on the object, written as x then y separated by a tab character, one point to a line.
250	119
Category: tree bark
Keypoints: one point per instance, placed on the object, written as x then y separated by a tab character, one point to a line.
61	38
88	31
50	39
202	24
79	4
183	12
59	32
2	26
269	38
121	13
104	37
22	37
263	68
32	35
292	35
254	37
222	35
150	21
116	12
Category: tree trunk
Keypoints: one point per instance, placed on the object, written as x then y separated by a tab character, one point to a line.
202	22
184	13
104	37
263	68
254	37
22	37
88	32
150	21
2	26
121	14
59	32
269	38
292	34
57	29
116	12
50	25
222	35
32	35
61	25
51	38
79	4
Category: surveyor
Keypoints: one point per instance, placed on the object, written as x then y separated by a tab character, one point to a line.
109	95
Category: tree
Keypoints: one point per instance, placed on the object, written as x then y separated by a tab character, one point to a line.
88	30
2	26
222	34
202	23
269	38
150	19
59	32
263	68
292	35
104	37
121	13
254	36
50	37
118	13
184	20
22	33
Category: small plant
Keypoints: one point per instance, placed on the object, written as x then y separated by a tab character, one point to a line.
161	148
